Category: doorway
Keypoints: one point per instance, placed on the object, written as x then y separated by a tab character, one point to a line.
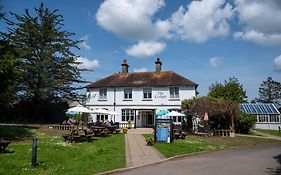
147	118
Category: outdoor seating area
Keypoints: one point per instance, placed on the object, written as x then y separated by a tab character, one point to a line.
179	133
78	135
3	145
82	133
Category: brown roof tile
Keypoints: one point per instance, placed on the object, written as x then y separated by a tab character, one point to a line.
142	79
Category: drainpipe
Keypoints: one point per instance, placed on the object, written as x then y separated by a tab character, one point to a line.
114	102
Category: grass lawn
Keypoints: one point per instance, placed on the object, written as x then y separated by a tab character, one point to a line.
272	132
58	157
193	144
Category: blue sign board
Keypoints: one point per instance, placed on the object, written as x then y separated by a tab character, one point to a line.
163	130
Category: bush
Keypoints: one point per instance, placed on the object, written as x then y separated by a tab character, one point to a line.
244	123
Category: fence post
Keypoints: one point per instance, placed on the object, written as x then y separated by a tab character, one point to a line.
34	152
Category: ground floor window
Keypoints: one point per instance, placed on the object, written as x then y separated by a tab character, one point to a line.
102	117
128	114
274	118
262	118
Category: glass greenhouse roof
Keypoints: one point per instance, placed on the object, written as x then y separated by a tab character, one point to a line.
259	108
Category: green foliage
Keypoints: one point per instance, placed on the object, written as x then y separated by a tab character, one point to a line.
270	91
9	76
230	90
223	112
42	52
244	123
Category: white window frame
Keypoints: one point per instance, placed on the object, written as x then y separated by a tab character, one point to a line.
128	114
174	92
147	93
263	118
102	94
274	118
128	94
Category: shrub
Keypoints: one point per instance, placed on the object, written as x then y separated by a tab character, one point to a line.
244	123
149	141
125	130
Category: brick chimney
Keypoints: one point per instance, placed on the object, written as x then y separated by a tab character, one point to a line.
158	64
124	67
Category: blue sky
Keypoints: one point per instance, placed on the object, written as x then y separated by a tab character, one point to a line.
205	41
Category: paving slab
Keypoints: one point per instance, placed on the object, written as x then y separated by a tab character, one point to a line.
137	152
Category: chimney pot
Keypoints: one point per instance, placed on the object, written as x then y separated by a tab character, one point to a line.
124	67
158	64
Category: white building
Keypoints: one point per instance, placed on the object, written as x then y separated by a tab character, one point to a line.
268	116
138	95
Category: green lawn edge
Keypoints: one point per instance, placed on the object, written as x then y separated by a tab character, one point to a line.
272	132
55	156
196	144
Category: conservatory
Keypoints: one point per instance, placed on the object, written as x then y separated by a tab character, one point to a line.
268	116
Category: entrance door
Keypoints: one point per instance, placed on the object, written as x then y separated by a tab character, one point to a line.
147	118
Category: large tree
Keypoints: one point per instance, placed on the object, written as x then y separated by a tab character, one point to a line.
270	91
231	90
48	65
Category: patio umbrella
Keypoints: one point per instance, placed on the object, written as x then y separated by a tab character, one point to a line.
162	112
175	114
79	109
100	111
113	113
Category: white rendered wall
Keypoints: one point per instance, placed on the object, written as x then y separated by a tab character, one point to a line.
270	126
160	99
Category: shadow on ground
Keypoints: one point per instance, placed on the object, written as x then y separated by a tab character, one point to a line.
15	133
277	170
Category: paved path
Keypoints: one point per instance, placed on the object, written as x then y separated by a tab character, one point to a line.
260	160
137	153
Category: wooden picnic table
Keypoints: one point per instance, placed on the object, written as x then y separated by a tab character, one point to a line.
75	135
99	130
3	145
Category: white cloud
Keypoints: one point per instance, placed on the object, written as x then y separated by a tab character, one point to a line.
277	63
84	44
87	63
131	19
145	49
142	69
259	37
202	20
216	62
261	21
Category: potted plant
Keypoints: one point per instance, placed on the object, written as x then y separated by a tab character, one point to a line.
129	124
149	141
125	130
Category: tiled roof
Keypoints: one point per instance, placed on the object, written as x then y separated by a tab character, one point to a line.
143	79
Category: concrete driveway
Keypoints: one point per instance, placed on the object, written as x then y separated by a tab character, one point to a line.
260	160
